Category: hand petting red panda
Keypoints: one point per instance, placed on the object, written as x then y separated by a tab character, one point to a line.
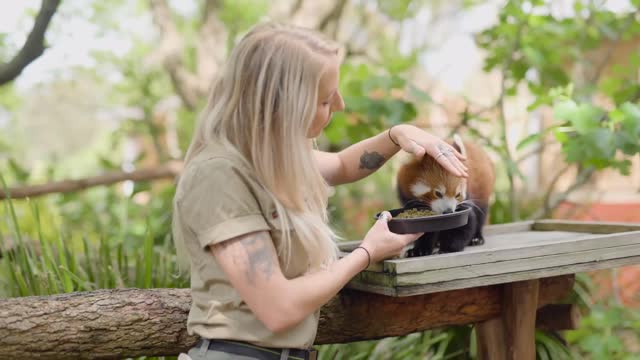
426	182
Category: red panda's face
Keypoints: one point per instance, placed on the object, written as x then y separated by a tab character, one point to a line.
443	194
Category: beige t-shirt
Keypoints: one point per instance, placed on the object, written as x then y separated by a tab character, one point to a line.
218	198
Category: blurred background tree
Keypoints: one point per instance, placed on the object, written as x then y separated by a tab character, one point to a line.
549	87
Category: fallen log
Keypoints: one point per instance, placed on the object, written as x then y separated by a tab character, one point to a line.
120	323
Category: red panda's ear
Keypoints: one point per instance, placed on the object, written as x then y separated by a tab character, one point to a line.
459	145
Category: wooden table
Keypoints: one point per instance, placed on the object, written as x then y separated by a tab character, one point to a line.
516	255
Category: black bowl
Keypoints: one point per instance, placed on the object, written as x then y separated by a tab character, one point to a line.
428	224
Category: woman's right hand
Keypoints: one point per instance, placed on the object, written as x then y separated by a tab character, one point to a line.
382	243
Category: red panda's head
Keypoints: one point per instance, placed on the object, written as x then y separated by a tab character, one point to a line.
429	182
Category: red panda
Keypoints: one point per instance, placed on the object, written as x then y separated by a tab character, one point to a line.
426	182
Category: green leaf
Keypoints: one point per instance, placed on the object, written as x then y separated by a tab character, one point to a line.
418	95
583	117
631	110
561	133
564	110
396	9
21	174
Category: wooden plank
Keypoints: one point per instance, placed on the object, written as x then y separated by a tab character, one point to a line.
348	246
599	227
511	266
513	227
510	247
509	277
358	284
519	318
374	278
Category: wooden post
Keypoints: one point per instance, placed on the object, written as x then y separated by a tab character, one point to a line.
490	339
519	315
512	335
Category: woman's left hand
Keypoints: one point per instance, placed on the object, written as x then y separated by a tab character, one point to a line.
419	142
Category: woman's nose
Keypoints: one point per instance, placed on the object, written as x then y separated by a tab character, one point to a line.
339	104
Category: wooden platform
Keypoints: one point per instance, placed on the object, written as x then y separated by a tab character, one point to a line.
512	252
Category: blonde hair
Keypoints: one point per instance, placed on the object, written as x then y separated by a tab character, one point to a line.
262	106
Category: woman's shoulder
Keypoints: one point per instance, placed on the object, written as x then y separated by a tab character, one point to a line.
217	162
214	173
211	173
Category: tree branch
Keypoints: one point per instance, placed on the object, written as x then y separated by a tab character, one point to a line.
34	45
582	179
535	151
167	171
210	46
170	53
333	15
297	5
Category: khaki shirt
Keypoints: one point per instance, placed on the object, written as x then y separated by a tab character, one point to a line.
218	198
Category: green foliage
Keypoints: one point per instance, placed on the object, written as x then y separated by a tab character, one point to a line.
608	332
591	137
370	106
240	15
549	346
43	256
450	343
553	56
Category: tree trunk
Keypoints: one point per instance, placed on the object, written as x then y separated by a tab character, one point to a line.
115	324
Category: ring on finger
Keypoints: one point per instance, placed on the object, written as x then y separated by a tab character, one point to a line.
440	154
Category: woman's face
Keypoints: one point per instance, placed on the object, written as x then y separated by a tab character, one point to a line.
329	98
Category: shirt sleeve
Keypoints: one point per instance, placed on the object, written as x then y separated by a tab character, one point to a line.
217	204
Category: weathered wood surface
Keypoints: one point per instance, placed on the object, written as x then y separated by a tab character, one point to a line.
594	227
510	277
512	252
113	324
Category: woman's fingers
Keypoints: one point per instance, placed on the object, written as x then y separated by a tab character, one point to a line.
458	164
449	165
384	217
409	238
446	156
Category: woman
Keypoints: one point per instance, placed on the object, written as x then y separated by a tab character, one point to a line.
250	210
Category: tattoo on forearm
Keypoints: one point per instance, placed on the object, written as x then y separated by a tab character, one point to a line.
371	160
259	255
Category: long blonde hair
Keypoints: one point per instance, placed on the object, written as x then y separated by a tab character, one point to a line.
262	105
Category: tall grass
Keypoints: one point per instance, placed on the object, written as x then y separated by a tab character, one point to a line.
36	264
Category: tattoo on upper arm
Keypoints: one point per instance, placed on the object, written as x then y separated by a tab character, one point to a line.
371	160
259	255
